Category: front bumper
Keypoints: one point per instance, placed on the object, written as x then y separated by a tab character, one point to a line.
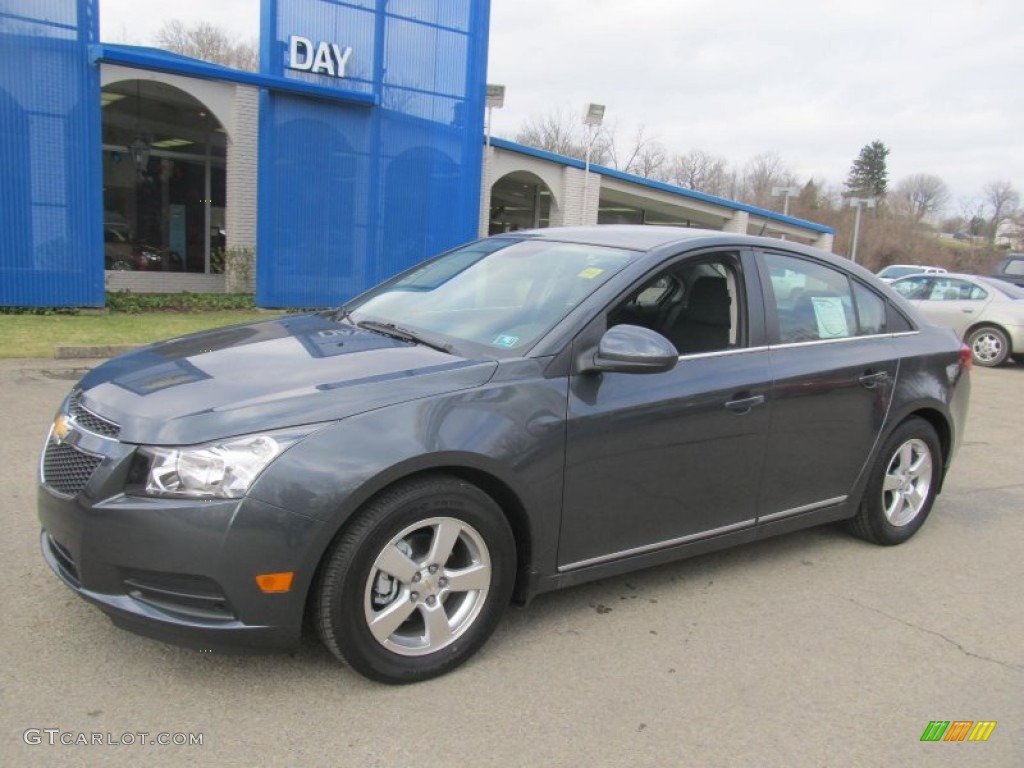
179	570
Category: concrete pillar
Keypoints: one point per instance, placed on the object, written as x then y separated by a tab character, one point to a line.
824	241
241	182
572	213
738	223
487	181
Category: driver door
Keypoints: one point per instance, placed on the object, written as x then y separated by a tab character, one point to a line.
654	460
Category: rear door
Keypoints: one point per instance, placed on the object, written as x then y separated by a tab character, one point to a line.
834	368
955	303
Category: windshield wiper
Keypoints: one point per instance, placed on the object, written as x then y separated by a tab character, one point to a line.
402	334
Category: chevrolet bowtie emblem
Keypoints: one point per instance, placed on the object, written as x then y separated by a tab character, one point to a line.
61	428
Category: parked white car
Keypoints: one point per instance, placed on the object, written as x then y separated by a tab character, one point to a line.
896	271
986	312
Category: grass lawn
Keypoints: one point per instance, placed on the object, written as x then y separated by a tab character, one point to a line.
36	335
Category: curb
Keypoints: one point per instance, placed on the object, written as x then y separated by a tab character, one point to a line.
84	351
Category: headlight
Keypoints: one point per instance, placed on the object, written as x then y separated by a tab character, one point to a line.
224	469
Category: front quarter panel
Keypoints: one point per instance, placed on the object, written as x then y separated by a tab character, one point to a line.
511	430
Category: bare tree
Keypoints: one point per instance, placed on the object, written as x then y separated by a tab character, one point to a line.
208	42
558	131
919	196
700	171
763	172
643	156
1003	200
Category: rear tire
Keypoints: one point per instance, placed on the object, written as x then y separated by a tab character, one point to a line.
418	582
989	346
902	485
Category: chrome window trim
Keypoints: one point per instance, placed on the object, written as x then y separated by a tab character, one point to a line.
656	546
844	339
724	352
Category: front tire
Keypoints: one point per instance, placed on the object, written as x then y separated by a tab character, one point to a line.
902	485
989	346
418	582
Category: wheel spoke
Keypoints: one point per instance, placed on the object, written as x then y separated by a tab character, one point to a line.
892	483
445	535
435	621
396	563
916	498
466	579
922	467
384	623
906	456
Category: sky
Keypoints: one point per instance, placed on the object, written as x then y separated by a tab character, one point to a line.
811	80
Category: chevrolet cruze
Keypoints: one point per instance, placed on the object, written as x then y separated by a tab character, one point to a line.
525	413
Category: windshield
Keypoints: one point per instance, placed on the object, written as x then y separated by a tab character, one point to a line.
501	293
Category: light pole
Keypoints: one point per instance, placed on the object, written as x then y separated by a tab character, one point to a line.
495	100
857	203
786	193
592	118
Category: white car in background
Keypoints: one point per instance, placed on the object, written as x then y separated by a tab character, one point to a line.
896	271
987	313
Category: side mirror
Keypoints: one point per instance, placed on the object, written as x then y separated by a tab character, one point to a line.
632	349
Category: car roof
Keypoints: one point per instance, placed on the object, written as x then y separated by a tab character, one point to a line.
645	237
655	240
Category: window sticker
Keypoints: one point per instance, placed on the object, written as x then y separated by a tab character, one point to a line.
505	341
590	273
828	311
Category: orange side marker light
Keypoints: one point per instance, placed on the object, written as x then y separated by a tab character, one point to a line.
275	582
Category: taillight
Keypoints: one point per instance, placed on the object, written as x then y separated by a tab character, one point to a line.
966	358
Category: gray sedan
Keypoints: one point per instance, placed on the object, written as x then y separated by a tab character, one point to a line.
987	313
526	413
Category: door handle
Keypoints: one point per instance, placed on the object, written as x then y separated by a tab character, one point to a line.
871	380
967	310
744	404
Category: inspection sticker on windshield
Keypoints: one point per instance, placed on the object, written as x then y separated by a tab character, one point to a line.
505	341
828	310
590	273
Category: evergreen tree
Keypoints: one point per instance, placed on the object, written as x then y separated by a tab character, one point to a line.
869	176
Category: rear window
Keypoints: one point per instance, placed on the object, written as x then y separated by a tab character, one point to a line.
1014	267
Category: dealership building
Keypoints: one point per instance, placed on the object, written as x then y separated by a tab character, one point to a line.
356	151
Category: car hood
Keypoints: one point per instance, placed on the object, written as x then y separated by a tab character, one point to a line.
267	375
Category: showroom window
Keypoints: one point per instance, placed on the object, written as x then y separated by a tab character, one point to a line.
164	179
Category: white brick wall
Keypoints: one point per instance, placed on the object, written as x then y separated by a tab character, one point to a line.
240	215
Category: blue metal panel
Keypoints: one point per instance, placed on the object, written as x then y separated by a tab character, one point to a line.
349	195
51	209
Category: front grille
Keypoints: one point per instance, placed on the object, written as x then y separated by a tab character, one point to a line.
90	421
66	469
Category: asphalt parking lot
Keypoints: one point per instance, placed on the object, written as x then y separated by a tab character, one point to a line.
814	649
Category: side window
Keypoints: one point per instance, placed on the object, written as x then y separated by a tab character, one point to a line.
870	311
913	288
812	302
976	293
696	305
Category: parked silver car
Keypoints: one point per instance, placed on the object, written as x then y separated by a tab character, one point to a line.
987	313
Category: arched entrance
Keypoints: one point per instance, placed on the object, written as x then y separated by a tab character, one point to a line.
520	200
164	179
